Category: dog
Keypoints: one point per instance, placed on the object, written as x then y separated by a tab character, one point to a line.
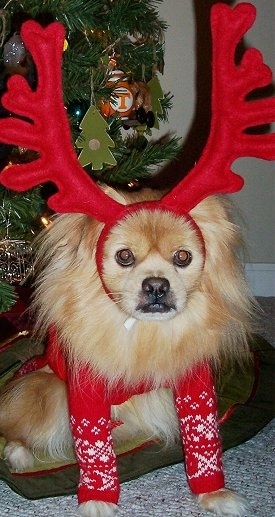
168	300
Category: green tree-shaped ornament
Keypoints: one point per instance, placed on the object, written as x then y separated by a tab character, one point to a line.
156	94
94	141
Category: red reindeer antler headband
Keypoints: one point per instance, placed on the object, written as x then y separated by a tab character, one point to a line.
47	129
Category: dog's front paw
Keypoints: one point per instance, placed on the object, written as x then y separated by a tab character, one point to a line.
224	502
97	509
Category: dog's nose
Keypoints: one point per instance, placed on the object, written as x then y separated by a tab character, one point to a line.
155	286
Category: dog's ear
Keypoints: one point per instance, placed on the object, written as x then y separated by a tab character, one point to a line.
223	275
213	216
71	238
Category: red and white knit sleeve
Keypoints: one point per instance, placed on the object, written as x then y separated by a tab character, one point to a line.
91	428
196	405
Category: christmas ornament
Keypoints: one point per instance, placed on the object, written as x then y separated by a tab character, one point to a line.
14	51
156	92
142	114
94	141
122	100
15	260
131	101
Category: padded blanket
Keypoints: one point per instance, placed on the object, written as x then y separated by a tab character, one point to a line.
246	405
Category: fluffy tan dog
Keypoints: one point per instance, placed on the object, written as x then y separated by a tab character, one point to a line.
139	306
171	304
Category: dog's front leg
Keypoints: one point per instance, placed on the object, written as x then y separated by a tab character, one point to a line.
98	488
197	410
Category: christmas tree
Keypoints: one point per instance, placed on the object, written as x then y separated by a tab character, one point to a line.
112	63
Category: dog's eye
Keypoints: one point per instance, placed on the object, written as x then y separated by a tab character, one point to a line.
182	258
125	257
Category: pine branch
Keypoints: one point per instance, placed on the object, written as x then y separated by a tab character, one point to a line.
8	296
123	16
77	62
140	60
140	159
19	213
133	17
75	14
166	104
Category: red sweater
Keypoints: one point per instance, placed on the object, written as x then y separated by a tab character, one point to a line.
90	418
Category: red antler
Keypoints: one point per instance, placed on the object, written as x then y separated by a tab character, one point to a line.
232	113
47	131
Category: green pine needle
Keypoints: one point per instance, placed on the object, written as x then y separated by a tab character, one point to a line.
19	213
140	159
8	296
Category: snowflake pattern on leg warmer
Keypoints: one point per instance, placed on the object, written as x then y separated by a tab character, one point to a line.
197	410
96	459
90	420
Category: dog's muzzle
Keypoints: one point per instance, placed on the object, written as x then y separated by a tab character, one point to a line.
156	296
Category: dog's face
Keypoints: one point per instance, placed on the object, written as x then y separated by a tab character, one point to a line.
152	261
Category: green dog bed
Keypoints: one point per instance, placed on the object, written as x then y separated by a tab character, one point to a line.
246	405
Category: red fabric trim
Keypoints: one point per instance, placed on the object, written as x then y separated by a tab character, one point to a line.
43	472
228	413
257	363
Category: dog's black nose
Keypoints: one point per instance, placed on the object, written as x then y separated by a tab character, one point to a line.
155	287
